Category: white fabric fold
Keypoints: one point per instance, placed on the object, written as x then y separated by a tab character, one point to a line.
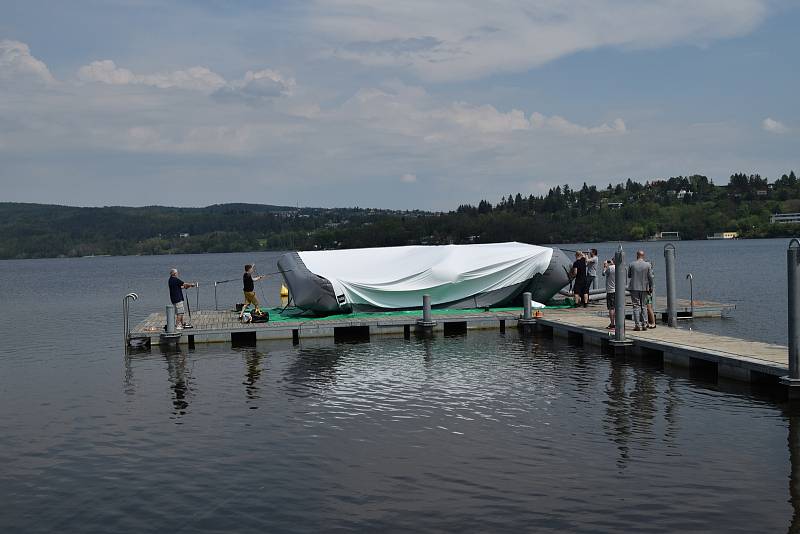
397	277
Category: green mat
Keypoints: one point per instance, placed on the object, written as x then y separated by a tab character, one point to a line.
294	314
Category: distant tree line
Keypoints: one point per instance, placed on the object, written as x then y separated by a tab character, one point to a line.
692	205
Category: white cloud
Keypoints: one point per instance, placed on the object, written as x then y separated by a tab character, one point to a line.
773	126
194	78
16	62
563	126
464	39
258	85
411	111
408	178
254	86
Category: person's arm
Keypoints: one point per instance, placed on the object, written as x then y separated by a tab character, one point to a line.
650	279
187	285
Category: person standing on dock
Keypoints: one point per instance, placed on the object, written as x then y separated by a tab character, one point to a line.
609	271
579	274
176	287
591	273
249	287
640	284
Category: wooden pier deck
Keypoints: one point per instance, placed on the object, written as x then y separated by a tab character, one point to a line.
731	357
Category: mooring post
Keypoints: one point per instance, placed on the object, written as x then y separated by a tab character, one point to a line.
427	321
669	261
427	315
793	292
527	321
527	307
620	284
170	319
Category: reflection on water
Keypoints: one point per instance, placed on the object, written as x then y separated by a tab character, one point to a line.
314	369
794	474
485	431
252	359
179	380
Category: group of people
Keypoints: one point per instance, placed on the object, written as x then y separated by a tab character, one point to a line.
640	285
176	287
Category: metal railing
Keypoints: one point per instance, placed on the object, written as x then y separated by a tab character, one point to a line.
126	300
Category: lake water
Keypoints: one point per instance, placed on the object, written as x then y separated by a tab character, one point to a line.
482	432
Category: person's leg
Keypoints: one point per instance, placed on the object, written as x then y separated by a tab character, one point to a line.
636	303
250	298
642	310
587	289
612	309
651	315
179	311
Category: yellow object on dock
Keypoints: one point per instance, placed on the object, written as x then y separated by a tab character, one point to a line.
284	291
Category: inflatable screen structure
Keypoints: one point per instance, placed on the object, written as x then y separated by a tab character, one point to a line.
396	278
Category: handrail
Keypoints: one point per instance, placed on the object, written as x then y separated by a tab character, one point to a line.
125	313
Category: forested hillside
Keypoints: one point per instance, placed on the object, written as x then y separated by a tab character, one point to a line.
691	205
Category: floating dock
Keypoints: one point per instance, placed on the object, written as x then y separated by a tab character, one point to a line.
727	356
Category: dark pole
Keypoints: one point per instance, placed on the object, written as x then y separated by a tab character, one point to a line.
619	282
793	277
669	260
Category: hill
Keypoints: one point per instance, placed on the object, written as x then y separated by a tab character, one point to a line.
691	205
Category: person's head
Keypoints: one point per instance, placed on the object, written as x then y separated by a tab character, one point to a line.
173	272
578	254
610	261
248	268
640	254
594	252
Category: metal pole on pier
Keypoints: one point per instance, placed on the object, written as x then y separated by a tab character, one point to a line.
527	307
793	277
427	321
170	318
620	283
793	292
669	261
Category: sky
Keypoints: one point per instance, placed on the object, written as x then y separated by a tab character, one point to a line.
384	103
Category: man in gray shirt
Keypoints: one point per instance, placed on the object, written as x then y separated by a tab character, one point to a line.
611	303
640	283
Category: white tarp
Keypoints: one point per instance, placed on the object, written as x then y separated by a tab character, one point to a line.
397	277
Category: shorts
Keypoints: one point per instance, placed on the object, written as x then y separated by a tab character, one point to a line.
611	300
648	299
250	298
581	286
180	309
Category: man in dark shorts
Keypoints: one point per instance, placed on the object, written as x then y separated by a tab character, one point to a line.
176	287
578	273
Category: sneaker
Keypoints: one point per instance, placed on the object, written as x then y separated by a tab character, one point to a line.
187	325
611	327
636	328
178	327
651	326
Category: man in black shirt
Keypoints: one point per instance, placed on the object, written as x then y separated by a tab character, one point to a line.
579	274
176	287
249	287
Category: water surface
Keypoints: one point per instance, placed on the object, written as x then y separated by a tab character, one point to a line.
483	432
